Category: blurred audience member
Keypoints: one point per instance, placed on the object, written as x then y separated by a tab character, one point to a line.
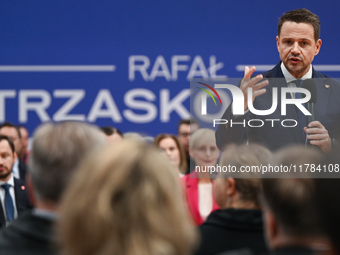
198	184
57	149
112	134
134	135
239	223
13	132
174	151
24	143
291	221
328	200
185	128
13	193
125	199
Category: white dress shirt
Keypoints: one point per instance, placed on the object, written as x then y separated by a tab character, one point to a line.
15	170
290	78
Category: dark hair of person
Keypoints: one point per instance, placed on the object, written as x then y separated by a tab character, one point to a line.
8	124
301	16
10	142
186	122
111	130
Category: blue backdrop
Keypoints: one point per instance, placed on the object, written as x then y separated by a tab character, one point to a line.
128	63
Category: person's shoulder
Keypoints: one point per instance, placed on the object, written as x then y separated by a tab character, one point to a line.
189	179
19	182
328	81
275	72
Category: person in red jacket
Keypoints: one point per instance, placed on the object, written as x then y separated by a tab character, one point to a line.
198	184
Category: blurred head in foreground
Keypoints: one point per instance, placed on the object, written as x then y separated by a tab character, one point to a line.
133	204
57	150
112	134
170	145
289	203
241	192
328	200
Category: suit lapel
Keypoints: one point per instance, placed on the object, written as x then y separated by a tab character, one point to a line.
192	197
292	114
323	96
276	72
2	217
20	196
280	83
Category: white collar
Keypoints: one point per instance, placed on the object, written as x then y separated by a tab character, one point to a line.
289	78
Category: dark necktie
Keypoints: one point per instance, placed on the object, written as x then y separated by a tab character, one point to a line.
301	116
8	202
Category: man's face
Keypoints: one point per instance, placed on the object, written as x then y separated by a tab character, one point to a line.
297	47
12	133
7	159
184	136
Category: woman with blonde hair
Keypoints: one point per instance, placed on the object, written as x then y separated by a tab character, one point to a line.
198	184
238	225
171	147
125	199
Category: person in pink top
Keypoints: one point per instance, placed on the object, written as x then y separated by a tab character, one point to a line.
198	185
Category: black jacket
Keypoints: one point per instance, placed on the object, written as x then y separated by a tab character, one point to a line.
288	250
232	229
22	170
21	200
29	234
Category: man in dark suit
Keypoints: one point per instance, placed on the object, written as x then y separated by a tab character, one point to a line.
14	197
13	132
297	42
57	149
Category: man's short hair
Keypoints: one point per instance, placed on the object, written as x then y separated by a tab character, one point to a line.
186	122
292	200
56	152
8	124
9	140
301	16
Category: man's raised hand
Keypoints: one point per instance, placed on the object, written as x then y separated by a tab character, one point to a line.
248	82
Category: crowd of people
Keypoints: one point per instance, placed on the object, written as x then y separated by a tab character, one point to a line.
85	193
96	191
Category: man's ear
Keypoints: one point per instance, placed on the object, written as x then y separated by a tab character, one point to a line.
230	186
270	227
30	189
317	46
